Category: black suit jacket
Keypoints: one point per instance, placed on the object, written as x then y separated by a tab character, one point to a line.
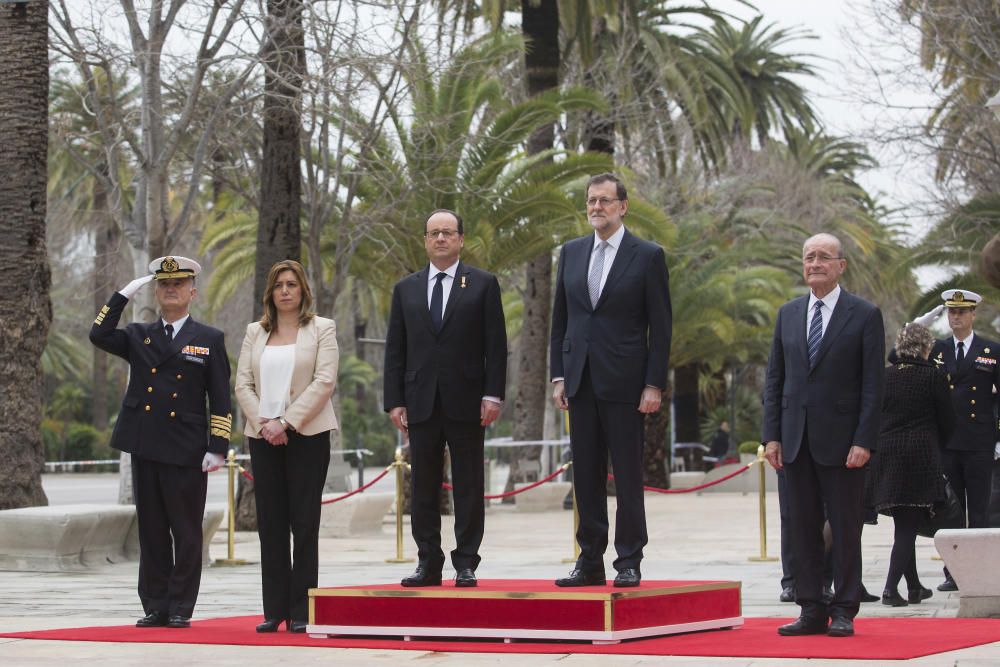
163	416
465	361
839	400
626	337
976	406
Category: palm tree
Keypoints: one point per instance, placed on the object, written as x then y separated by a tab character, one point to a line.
26	311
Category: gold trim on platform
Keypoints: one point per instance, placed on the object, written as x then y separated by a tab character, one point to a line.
466	593
609	619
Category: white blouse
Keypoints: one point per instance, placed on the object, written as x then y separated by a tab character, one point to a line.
276	365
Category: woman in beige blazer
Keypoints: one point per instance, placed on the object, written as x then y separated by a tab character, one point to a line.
284	383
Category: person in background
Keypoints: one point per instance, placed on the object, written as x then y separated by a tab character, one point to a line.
905	478
285	379
175	364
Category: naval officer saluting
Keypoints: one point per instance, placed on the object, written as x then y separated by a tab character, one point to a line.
174	364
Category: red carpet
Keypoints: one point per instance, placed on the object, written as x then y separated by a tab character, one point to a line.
876	639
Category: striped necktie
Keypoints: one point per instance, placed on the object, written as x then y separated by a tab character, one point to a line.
815	333
594	279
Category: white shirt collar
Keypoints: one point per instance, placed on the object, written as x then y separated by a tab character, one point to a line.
967	341
614	241
177	324
830	300
450	271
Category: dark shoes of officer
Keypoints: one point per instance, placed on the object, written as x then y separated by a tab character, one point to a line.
154	619
918	595
177	621
465	578
840	626
803	625
787	594
628	578
583	578
422	576
948	586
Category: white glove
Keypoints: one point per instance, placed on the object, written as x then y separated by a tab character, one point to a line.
930	316
129	290
212	462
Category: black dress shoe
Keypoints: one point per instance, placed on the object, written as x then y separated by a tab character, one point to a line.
177	621
840	626
892	598
948	586
580	578
866	596
422	576
628	578
803	626
787	594
297	626
465	578
270	625
918	595
154	619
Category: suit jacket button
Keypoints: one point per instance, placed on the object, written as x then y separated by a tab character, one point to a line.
973	415
972	402
180	377
174	395
973	389
148	408
149	390
153	371
951	386
172	414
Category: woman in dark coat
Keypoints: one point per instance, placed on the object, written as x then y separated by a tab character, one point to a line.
905	480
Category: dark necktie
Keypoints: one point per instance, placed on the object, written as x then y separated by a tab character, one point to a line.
960	355
815	333
437	301
168	330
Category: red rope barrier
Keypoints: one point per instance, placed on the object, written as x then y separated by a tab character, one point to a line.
561	469
700	486
385	472
357	490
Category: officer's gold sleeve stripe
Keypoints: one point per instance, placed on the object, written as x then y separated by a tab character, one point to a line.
221	433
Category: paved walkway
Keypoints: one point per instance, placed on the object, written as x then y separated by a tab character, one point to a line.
708	536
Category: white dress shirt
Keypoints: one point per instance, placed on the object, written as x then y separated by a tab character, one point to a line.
276	365
614	242
829	303
965	349
176	324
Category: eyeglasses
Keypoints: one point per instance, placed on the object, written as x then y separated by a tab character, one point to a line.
603	201
822	258
446	234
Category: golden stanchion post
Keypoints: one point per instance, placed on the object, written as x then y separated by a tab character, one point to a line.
399	464
762	495
576	523
232	466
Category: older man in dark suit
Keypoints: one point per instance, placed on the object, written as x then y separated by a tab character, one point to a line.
175	363
445	374
609	354
822	400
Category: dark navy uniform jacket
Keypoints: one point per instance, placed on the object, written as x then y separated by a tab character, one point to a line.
976	406
164	417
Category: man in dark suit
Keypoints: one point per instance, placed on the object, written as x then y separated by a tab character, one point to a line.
822	400
610	349
445	376
971	363
174	364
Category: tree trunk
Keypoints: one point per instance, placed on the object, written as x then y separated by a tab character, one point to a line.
686	403
106	242
25	305
540	26
279	234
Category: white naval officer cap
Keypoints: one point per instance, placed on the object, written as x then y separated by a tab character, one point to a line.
174	266
960	298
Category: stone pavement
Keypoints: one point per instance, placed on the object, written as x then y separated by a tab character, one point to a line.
708	536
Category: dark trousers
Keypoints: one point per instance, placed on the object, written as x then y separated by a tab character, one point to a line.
841	490
598	428
464	440
288	488
971	475
787	557
169	506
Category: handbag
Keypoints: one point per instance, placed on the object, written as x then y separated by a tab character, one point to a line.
947	514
